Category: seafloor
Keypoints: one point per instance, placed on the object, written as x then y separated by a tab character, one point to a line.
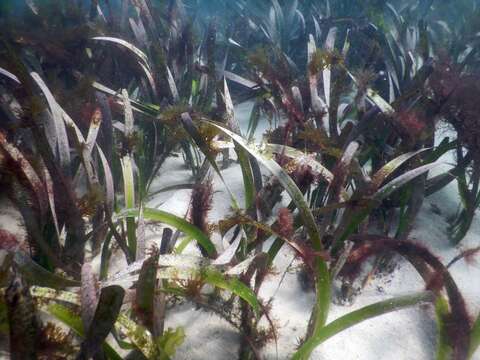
402	335
408	334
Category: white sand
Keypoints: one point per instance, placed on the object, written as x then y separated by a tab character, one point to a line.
406	334
409	334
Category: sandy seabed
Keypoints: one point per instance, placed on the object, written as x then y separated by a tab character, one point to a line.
408	334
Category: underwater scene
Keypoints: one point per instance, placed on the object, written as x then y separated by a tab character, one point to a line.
240	179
